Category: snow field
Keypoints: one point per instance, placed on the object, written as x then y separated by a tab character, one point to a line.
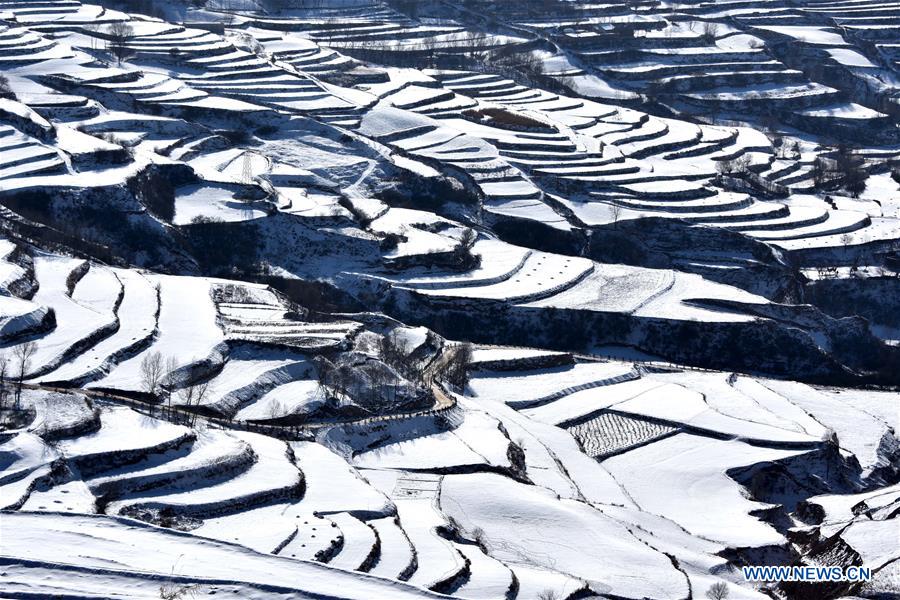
59	415
857	430
313	537
541	275
214	201
293	398
554	460
333	486
438	560
523	524
212	456
683	478
25	459
123	434
250	372
488	577
124	543
19	316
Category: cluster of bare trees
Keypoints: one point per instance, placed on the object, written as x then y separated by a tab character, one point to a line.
5	89
16	368
336	381
735	166
528	64
393	381
422	52
846	170
457	359
377	385
710	32
120	34
157	369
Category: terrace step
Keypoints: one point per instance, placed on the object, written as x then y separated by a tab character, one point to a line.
136	314
273	477
396	558
24	154
652	188
212	457
839	222
794	220
361	547
535	402
687	206
488	579
438	561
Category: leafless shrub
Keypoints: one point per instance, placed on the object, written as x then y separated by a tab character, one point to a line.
173	591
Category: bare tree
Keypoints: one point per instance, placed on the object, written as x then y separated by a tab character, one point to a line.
548	595
92	30
819	172
342	382
717	591
323	373
391	351
276	409
23	353
615	211
166	383
120	33
846	240
4	372
152	372
462	252
193	395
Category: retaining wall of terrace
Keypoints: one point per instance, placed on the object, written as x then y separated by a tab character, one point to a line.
760	346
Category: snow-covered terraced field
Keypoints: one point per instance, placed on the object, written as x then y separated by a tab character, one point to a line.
486	300
186	334
398	511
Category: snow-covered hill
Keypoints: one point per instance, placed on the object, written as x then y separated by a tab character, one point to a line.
384	299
